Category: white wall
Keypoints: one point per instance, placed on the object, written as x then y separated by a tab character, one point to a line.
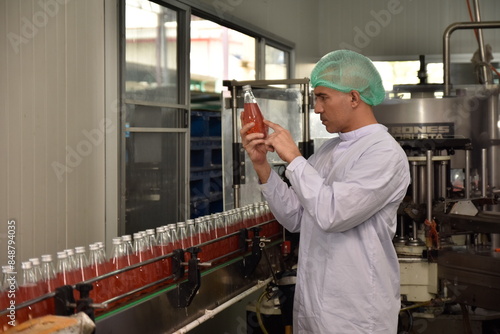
52	104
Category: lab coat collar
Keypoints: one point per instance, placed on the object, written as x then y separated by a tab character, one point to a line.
361	132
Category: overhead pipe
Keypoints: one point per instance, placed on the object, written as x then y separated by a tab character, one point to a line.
446	45
480	41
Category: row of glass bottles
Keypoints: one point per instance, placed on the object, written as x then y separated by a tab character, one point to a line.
75	265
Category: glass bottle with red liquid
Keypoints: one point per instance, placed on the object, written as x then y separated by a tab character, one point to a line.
191	232
117	261
152	249
206	251
231	228
37	271
50	280
103	257
82	269
218	227
71	259
226	221
182	235
140	251
210	223
28	290
163	246
64	273
100	291
131	276
252	113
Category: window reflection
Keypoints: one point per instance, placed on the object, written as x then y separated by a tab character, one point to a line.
151	52
219	53
276	63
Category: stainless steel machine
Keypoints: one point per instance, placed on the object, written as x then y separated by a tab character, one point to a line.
448	238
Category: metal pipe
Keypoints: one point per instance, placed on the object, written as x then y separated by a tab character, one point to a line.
467	181
443	169
446	45
236	153
493	135
480	41
429	184
211	313
414	188
414	191
484	171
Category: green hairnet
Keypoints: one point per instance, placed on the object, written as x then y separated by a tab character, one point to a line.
345	71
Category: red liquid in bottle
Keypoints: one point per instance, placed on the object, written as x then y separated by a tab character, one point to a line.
222	247
4	303
51	286
252	113
117	283
206	250
67	277
101	291
27	292
167	265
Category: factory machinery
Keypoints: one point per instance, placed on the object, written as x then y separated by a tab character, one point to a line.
448	234
448	237
177	291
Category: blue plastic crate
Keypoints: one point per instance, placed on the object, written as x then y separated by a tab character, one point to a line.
205	124
205	183
206	153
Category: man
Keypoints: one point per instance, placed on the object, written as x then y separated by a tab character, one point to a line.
343	200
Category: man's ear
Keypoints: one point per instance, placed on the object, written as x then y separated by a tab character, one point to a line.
355	98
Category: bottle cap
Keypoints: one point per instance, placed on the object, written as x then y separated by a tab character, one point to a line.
69	252
126	237
246	88
80	250
35	261
62	255
7	269
26	265
47	258
117	241
150	231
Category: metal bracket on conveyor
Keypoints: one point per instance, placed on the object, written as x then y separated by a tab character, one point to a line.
251	261
185	292
64	300
177	260
243	240
66	305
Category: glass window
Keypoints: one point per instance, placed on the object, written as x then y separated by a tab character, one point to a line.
155	118
153	180
151	52
219	53
276	63
406	73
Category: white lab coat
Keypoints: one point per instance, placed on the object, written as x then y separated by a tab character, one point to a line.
343	201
